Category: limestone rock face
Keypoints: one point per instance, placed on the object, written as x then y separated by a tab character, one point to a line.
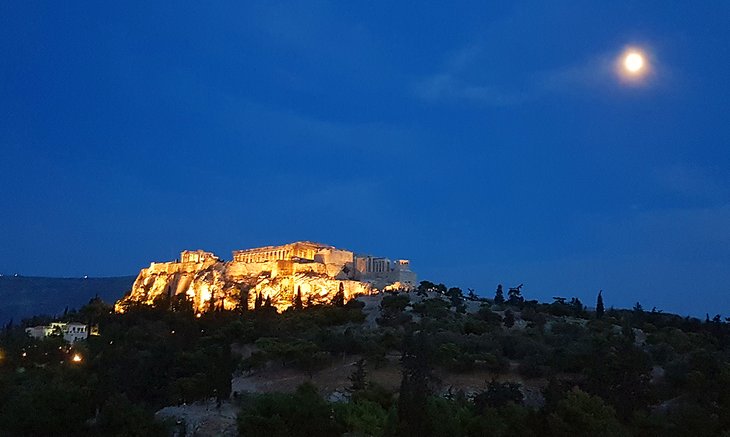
315	289
276	273
211	285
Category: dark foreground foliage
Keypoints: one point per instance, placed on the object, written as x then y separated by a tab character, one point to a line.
621	372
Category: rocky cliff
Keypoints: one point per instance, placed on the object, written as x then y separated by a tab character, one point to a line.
230	285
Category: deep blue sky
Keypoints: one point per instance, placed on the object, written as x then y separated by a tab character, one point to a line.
486	143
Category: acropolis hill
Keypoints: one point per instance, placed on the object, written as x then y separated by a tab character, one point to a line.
277	273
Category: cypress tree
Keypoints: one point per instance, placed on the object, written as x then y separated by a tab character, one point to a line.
339	298
298	304
499	295
599	305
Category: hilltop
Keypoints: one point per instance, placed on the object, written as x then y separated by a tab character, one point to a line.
302	271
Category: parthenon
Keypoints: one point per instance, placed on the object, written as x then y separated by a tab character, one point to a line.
339	263
288	252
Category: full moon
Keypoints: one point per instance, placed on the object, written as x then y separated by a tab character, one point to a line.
633	62
633	66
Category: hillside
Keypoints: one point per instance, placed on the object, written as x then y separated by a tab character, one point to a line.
25	296
432	362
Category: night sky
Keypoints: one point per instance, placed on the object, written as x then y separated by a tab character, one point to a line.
487	143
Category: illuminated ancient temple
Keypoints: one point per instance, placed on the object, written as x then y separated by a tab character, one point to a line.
315	270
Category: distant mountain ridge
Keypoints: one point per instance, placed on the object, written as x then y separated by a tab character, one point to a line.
26	296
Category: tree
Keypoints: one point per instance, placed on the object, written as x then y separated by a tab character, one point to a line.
362	418
94	311
392	307
339	298
303	413
577	306
298	304
514	295
120	417
472	295
425	287
582	414
509	319
243	297
498	394
357	378
599	305
499	295
267	304
456	297
638	309
415	386
212	301
258	301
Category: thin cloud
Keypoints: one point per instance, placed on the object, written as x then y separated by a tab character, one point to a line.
445	86
591	74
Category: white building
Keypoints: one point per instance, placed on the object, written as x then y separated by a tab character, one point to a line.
71	332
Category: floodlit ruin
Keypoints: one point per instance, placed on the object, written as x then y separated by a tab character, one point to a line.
276	273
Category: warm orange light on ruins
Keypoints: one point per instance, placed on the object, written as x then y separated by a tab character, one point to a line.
275	274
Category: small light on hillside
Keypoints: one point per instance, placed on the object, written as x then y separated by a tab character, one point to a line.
76	358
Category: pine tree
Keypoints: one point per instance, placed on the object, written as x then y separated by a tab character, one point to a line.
499	295
514	295
472	295
267	304
599	305
257	301
298	304
577	306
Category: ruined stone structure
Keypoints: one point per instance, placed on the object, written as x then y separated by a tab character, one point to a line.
196	256
278	273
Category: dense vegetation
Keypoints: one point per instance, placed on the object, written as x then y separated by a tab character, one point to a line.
604	372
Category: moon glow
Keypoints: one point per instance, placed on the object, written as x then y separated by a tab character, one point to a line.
633	62
633	66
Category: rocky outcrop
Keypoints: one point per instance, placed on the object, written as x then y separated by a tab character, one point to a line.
230	285
275	273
